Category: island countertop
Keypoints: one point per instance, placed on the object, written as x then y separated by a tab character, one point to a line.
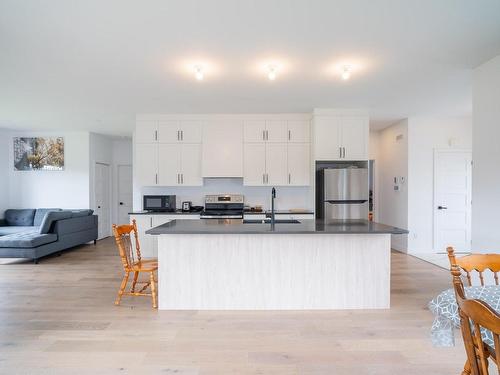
232	226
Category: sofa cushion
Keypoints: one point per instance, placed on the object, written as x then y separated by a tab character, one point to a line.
50	218
27	239
40	214
4	231
80	213
16	217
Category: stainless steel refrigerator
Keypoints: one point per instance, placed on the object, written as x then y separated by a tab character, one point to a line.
345	193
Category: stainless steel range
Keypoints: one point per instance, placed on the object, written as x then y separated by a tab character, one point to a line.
223	206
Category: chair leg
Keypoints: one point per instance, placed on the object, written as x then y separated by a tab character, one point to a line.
122	288
153	289
467	368
136	275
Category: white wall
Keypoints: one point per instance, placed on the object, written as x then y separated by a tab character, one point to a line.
4	170
393	161
486	156
425	134
65	189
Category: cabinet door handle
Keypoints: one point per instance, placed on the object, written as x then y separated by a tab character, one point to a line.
156	178
151	221
340	152
178	179
178	135
263	178
263	135
182	135
182	178
289	178
156	135
267	135
343	154
289	135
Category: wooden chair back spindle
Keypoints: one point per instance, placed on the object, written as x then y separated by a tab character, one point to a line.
476	263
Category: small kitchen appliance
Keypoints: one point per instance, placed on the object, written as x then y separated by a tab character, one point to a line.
186	206
159	203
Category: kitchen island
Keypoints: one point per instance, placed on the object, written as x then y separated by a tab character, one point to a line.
313	264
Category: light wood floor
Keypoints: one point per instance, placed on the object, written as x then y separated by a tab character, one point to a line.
58	317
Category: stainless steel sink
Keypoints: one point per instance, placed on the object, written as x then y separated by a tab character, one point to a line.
268	221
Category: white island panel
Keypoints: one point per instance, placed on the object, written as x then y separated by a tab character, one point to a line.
273	272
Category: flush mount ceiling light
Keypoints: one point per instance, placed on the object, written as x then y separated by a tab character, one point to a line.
346	72
198	72
271	72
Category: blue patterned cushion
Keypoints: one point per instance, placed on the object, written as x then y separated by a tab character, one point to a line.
16	217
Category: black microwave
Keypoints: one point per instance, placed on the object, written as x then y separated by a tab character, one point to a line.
165	203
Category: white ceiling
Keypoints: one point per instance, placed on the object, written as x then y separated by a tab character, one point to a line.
94	64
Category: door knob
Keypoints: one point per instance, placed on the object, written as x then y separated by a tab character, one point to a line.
442	208
121	203
98	206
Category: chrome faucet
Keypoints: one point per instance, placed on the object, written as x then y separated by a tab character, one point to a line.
273	196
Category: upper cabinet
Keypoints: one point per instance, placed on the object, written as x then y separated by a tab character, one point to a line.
298	131
276	131
341	137
146	132
169	131
222	148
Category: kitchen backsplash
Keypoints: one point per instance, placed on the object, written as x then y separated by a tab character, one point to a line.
287	197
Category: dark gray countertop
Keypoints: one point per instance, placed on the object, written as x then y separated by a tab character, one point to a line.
279	212
215	226
178	212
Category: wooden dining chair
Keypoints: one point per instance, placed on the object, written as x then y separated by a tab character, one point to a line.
130	254
476	262
476	315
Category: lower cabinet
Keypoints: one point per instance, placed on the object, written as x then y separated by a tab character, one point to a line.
149	243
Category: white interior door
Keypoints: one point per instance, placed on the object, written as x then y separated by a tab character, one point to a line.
452	200
102	197
124	192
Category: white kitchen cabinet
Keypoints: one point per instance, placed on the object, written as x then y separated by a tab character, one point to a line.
276	131
355	132
171	131
276	164
299	164
146	164
169	164
222	154
190	171
298	131
254	131
168	131
327	138
341	138
148	242
254	164
146	132
191	131
273	131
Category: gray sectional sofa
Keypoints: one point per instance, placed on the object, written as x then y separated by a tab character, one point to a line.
35	233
